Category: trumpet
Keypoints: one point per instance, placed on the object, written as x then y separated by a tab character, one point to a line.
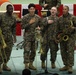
44	13
39	38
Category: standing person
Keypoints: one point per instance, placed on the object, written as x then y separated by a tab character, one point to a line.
47	4
49	36
67	26
30	22
8	27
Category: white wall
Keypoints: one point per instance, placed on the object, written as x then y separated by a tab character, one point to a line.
37	1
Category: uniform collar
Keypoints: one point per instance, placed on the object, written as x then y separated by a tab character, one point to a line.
66	15
31	15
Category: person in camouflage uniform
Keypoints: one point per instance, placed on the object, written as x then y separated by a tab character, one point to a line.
67	23
49	36
47	4
8	27
30	22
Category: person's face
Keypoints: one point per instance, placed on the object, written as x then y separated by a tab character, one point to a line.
31	10
65	10
10	10
53	11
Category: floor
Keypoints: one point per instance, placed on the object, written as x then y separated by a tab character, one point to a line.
16	63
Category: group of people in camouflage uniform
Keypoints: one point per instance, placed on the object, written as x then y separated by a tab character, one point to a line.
52	28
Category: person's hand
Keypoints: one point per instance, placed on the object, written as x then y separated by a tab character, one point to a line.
57	41
45	5
50	21
71	29
32	21
38	28
58	36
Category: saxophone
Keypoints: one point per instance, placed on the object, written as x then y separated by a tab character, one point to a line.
64	35
2	40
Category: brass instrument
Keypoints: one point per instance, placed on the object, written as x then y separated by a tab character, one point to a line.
65	38
2	47
44	13
39	39
2	40
65	34
16	15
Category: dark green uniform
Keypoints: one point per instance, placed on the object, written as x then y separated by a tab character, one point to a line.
29	37
67	47
8	27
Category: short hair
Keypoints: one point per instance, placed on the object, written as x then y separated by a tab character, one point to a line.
54	8
31	5
8	6
26	72
67	7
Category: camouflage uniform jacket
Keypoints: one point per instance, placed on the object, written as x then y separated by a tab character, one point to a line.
65	22
29	33
8	26
50	30
50	3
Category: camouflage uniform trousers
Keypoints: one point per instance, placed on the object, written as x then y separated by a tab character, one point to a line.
67	52
53	50
29	51
5	53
